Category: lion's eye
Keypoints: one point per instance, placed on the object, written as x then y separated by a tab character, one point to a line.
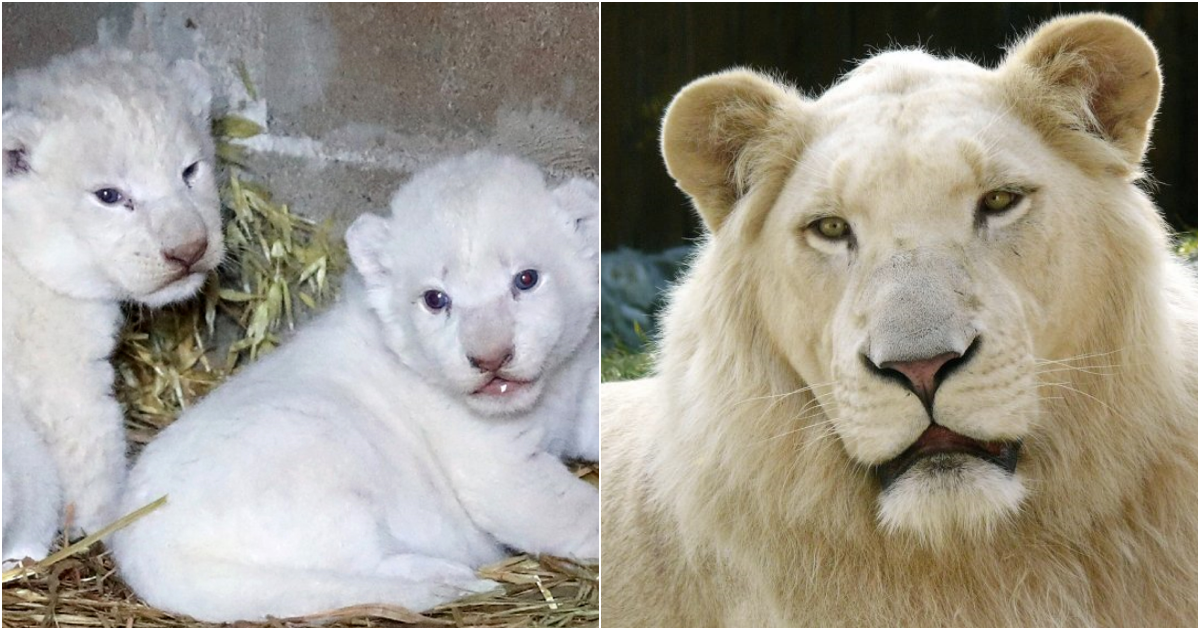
435	300
189	173
526	280
832	228
996	201
109	196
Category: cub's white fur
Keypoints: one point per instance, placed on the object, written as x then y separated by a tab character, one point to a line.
739	485
95	120
368	460
31	487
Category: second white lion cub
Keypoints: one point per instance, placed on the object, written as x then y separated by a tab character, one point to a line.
410	435
109	196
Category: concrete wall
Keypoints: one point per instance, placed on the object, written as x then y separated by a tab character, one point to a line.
355	97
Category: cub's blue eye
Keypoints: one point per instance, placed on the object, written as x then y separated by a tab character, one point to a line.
526	280
436	300
189	173
109	196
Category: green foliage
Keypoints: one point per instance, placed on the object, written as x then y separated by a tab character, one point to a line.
632	284
1185	245
621	364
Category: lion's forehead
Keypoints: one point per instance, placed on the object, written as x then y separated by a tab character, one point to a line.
910	96
881	175
908	72
920	148
473	250
935	116
146	161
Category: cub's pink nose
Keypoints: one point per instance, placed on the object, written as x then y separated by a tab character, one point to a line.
187	254
922	373
493	362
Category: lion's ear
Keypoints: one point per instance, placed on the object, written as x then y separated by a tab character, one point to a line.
709	132
579	200
198	85
1102	67
367	242
21	131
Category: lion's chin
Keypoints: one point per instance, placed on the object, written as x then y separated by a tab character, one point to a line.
948	496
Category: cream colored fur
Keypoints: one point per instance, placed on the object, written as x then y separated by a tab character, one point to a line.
94	120
738	483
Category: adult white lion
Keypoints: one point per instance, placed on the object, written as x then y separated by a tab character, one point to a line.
934	364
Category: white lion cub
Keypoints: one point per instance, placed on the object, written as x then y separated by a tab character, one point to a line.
408	436
108	197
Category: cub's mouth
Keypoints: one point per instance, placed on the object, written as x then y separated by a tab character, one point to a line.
182	276
943	447
502	387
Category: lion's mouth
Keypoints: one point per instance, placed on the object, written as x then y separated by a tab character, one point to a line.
500	386
938	440
180	276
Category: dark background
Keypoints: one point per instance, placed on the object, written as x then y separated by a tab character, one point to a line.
650	51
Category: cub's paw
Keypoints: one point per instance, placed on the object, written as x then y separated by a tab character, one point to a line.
90	517
17	556
462	588
451	580
588	548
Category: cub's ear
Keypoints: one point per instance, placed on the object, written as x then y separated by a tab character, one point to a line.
366	240
720	132
1101	72
21	131
198	85
580	200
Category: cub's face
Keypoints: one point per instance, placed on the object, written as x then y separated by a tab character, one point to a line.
484	278
929	245
109	189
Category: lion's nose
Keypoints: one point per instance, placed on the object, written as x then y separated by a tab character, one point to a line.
187	254
493	361
923	374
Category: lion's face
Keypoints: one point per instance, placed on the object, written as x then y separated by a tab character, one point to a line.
109	183
483	278
907	240
899	236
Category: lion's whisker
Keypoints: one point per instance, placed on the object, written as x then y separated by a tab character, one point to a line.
1078	391
1078	357
826	421
1086	369
801	390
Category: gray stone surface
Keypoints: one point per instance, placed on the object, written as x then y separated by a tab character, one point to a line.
355	97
